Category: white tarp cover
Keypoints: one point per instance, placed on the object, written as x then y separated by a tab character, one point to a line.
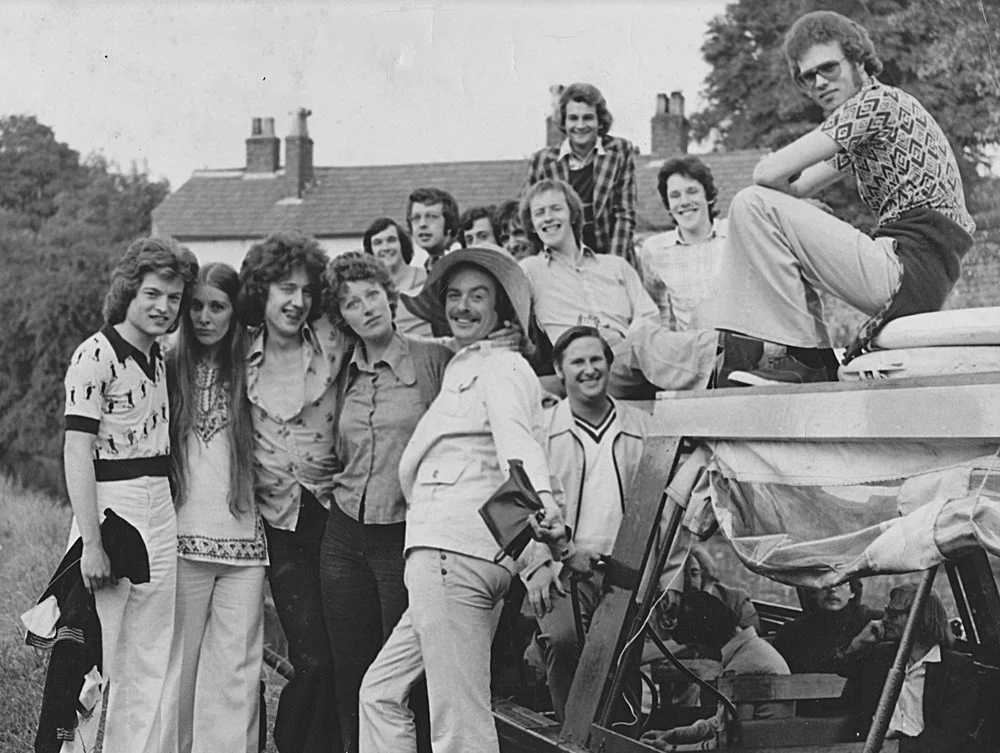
815	513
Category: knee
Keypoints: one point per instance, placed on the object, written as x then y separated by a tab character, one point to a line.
749	199
561	645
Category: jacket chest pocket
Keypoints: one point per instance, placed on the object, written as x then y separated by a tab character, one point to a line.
458	398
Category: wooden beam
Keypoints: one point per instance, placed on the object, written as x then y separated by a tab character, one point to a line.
758	688
917	408
610	622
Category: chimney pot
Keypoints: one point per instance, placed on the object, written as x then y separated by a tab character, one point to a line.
299	153
553	126
677	103
263	147
669	129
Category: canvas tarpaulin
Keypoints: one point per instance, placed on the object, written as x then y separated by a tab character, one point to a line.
818	513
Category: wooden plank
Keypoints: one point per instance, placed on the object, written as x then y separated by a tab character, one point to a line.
610	621
756	688
606	741
801	731
522	730
919	408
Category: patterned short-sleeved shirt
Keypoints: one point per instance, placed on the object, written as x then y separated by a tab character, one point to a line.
898	154
114	392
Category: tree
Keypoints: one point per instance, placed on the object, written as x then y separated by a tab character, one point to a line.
57	257
944	52
35	169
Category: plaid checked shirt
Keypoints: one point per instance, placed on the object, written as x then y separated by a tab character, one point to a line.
614	191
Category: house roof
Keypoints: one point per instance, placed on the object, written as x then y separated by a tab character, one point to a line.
342	202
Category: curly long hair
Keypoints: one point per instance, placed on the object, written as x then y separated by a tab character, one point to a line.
274	259
182	369
160	256
825	26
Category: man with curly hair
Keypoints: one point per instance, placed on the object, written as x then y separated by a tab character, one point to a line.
293	359
116	459
600	167
783	251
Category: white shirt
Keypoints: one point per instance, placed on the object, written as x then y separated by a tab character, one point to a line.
908	716
601	507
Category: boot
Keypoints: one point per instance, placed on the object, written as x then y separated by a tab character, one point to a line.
739	353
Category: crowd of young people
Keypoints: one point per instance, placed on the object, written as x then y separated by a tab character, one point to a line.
335	424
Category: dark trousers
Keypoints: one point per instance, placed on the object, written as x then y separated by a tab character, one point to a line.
307	710
361	571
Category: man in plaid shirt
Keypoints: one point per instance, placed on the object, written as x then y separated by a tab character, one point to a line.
599	167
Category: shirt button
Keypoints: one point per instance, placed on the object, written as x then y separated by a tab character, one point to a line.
443	571
444	556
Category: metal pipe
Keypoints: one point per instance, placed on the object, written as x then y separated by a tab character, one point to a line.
894	681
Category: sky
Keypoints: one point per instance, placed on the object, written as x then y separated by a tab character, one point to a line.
174	85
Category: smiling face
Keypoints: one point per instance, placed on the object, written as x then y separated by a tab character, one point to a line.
386	248
288	304
211	316
515	240
688	205
470	304
365	308
153	310
481	232
584	371
581	126
551	220
428	227
820	61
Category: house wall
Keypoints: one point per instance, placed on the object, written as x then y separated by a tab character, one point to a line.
232	251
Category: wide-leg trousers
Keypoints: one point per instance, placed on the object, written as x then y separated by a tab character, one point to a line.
445	634
780	252
137	622
212	701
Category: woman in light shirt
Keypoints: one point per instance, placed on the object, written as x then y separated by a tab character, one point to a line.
211	701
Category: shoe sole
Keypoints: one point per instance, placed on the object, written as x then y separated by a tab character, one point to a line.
747	379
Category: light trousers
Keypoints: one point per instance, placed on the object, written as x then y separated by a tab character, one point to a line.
137	623
780	252
211	703
445	634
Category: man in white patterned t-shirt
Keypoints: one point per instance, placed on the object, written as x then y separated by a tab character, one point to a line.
782	251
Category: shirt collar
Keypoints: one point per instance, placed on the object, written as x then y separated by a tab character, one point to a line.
258	338
587	253
396	357
931	657
718	231
736	643
565	150
123	348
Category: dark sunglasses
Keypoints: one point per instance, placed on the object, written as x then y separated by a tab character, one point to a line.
829	71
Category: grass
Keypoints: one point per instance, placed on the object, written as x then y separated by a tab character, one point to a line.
33	536
33	531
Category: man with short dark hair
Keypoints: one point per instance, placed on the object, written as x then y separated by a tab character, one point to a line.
116	454
432	218
512	235
476	227
680	266
782	251
294	356
600	167
594	447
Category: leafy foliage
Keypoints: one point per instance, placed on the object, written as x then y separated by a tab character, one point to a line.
944	52
58	243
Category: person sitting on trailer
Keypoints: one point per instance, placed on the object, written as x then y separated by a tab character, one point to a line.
936	709
782	251
594	446
708	625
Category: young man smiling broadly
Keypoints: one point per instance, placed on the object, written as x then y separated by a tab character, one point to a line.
782	251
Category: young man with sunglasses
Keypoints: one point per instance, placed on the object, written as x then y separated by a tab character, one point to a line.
783	251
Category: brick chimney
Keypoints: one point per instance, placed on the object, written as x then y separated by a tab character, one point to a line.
553	132
263	147
299	153
668	125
